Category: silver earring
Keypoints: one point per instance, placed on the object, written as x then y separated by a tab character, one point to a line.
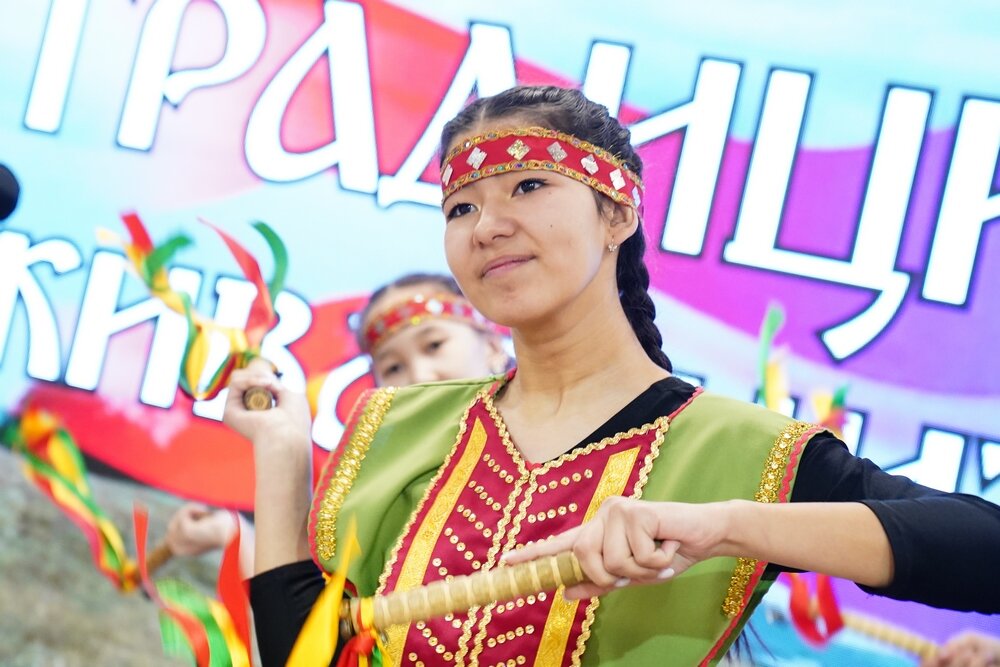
612	246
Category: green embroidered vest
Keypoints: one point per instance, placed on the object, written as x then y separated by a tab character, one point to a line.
423	465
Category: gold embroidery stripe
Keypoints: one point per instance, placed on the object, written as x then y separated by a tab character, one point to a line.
770	484
414	566
347	471
576	453
662	424
559	624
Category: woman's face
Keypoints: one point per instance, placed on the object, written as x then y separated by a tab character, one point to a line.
433	350
524	245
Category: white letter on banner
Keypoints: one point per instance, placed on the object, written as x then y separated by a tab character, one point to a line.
152	79
327	429
706	122
872	265
938	463
487	69
966	205
989	462
16	257
342	37
232	310
100	318
607	68
54	70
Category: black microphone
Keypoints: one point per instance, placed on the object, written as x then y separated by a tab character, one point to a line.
9	192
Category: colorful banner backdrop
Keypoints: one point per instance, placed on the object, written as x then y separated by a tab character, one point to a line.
821	157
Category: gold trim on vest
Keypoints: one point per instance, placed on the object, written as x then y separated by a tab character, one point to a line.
770	485
347	471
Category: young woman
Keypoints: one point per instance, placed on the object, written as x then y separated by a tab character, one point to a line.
418	328
542	200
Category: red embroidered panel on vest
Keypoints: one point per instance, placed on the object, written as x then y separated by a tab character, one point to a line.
486	500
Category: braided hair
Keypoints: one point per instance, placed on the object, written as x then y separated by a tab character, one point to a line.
569	111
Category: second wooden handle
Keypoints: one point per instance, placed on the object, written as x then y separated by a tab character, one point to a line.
440	598
258	398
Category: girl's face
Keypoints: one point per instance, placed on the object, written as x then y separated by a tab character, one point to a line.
524	245
433	350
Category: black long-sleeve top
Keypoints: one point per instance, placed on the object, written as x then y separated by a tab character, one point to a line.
945	546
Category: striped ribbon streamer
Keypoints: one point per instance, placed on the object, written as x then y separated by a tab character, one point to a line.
150	264
209	632
53	463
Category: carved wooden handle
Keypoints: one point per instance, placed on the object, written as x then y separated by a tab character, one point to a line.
157	557
891	635
440	598
258	398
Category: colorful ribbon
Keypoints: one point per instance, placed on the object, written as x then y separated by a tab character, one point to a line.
150	263
773	380
192	625
317	641
829	410
53	463
806	611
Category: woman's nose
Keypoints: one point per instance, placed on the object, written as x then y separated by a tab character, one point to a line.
494	222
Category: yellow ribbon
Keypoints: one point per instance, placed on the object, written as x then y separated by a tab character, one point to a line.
317	641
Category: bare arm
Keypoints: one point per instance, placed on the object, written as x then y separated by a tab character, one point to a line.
635	542
281	443
843	540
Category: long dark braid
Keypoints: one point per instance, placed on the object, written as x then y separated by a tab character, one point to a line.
569	111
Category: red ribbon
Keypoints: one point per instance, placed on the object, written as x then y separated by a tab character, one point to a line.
806	611
231	589
358	648
192	629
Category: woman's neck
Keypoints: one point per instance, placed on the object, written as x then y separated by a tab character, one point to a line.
595	356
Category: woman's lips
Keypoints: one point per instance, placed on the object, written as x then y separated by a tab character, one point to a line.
503	265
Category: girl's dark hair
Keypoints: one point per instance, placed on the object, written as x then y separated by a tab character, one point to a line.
442	280
569	111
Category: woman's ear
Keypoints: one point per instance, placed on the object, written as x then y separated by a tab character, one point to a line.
622	221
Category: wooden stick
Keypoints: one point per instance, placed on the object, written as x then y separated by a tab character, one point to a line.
158	556
258	398
883	632
440	598
890	634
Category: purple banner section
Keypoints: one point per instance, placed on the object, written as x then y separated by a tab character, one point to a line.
926	346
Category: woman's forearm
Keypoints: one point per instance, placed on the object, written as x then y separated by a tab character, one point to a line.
844	540
281	505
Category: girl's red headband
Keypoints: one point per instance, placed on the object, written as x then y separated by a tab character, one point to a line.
416	310
536	148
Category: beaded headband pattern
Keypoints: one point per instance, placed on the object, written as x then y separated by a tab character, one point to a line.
418	309
537	148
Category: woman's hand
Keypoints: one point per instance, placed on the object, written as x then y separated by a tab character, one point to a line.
632	542
195	529
287	423
969	649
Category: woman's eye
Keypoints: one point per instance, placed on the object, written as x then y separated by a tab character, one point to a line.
459	210
392	370
529	184
434	346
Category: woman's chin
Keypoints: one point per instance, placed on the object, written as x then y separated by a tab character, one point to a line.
515	317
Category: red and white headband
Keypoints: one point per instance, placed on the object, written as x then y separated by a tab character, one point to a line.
413	311
536	148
